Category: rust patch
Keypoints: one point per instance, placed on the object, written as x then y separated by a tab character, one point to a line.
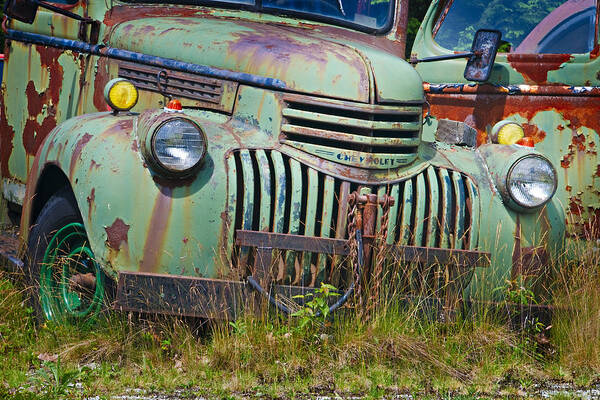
116	234
94	165
535	67
77	151
90	200
534	132
100	82
579	141
34	132
575	206
280	49
7	134
565	160
157	231
119	14
482	111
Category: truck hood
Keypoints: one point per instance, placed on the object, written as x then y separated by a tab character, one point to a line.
305	60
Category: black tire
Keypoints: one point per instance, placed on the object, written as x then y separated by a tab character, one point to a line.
60	211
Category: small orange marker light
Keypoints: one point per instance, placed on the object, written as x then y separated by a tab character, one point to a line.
526	141
174	105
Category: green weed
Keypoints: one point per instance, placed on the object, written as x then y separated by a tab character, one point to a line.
396	348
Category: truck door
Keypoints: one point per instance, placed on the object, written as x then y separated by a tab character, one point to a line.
42	87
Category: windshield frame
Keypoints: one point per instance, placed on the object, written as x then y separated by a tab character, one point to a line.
444	8
257	7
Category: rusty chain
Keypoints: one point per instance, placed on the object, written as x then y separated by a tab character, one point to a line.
380	255
352	243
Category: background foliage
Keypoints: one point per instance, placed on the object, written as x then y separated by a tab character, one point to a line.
416	12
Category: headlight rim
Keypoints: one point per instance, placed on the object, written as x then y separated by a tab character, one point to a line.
510	171
163	169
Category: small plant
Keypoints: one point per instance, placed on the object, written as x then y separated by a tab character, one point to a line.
316	310
55	378
516	293
239	327
165	345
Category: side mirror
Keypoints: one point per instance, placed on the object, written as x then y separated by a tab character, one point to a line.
21	10
484	49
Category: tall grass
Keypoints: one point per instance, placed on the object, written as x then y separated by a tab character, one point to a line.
398	345
576	326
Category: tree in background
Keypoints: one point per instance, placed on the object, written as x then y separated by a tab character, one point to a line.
416	13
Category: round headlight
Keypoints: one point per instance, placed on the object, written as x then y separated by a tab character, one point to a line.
178	145
531	181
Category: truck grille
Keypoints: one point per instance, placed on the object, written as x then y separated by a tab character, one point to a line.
362	135
269	191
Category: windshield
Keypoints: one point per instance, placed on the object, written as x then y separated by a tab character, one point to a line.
374	14
365	15
534	26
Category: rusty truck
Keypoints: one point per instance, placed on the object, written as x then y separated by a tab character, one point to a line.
188	155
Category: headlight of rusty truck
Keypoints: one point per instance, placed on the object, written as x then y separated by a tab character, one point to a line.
525	179
176	148
531	181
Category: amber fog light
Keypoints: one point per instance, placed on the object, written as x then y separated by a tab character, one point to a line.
120	94
507	132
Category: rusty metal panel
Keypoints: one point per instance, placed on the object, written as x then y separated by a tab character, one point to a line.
248	196
326	220
459	211
417	254
291	258
381	191
447	209
393	216
408	200
420	211
264	173
343	210
340	230
292	242
473	203
312	194
180	295
436	256
433	217
279	192
232	199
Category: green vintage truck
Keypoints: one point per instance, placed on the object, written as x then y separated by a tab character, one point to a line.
184	156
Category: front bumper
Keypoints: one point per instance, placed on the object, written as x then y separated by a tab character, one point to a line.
215	298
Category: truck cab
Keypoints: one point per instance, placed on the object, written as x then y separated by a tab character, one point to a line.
191	155
544	79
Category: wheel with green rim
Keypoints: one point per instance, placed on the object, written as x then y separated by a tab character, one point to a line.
70	284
